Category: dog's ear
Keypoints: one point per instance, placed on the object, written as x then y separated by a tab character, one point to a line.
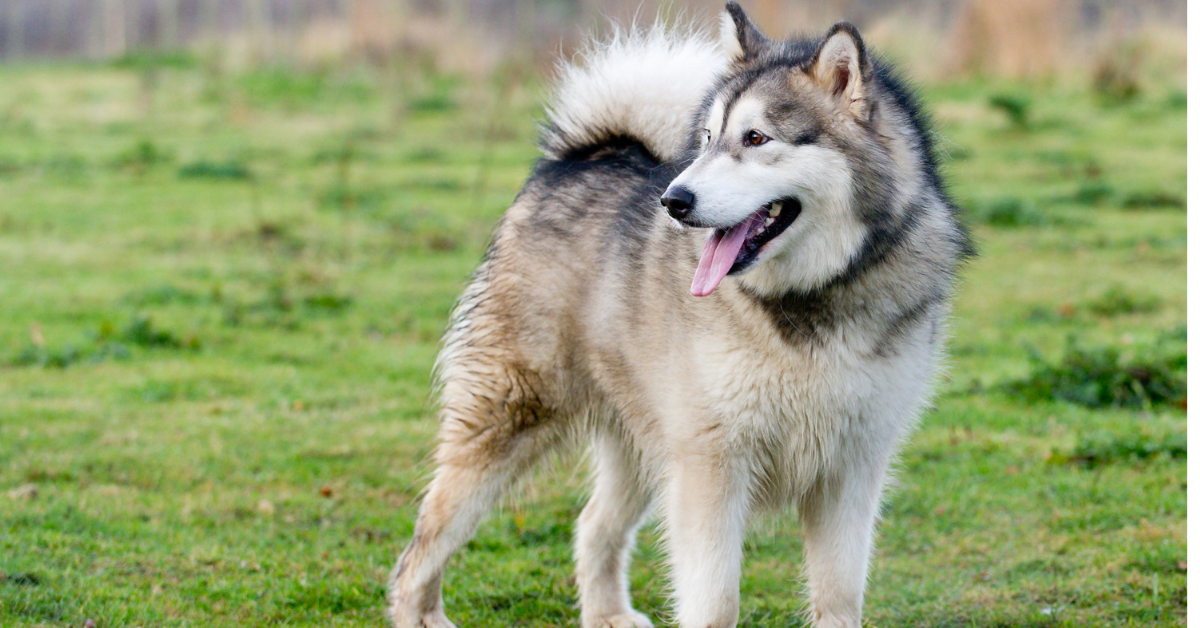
742	40
842	67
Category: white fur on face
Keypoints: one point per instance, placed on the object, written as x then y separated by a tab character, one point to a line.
723	198
823	239
715	115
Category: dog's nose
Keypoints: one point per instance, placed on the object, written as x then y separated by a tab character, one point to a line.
678	200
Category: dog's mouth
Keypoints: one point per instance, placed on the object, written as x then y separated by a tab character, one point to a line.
733	249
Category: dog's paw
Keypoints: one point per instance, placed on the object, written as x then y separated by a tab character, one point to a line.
436	620
631	619
428	620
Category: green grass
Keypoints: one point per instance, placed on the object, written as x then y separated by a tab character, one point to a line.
221	302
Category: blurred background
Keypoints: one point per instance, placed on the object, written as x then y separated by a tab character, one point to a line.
231	232
1026	38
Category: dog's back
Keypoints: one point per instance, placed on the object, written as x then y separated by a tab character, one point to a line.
576	246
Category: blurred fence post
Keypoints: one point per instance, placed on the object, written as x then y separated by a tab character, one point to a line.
94	33
255	11
60	30
114	27
168	24
292	17
210	25
14	47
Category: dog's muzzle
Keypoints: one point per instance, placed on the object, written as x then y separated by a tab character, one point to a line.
679	201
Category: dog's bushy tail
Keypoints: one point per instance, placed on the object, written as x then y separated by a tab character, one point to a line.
642	85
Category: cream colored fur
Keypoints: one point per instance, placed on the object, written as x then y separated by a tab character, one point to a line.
699	408
620	84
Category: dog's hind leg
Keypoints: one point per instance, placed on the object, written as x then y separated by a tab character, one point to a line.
606	534
490	434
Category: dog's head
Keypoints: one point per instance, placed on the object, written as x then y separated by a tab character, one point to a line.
778	174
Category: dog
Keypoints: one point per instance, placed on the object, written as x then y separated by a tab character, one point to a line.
730	277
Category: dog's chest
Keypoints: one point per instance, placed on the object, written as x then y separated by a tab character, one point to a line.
810	396
751	385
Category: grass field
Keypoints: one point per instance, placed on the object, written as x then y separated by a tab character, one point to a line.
222	295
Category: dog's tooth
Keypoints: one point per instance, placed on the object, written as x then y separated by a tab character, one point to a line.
768	223
776	207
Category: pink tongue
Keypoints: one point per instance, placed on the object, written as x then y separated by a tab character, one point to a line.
720	252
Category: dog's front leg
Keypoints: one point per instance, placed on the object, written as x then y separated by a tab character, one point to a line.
839	523
706	507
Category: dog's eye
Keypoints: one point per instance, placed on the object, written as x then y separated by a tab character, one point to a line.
754	138
705	137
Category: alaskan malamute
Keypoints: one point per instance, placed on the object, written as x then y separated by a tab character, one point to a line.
730	277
